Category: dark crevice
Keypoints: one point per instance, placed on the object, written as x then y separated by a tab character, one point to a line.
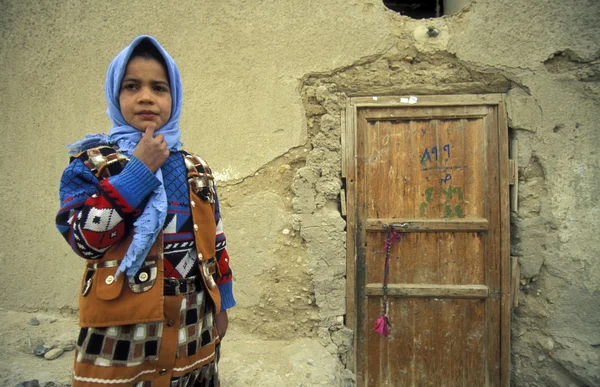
416	9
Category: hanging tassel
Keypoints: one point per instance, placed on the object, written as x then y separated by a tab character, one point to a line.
382	326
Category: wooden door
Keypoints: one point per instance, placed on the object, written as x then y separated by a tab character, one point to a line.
437	171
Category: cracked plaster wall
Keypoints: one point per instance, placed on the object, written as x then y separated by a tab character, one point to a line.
265	83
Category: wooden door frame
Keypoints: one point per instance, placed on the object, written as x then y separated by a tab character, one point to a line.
349	169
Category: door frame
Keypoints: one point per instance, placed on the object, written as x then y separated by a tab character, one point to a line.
354	289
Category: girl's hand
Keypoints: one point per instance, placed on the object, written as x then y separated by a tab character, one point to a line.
221	322
151	150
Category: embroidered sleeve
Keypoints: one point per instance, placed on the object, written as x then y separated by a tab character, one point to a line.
224	282
96	214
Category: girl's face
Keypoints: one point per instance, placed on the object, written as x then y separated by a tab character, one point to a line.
145	94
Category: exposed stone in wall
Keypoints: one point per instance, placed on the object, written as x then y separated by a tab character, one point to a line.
401	70
272	278
556	333
556	328
543	53
317	217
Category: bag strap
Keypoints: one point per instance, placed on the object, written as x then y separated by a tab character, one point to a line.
200	177
104	161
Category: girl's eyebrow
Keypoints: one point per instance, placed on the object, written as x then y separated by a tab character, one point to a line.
129	79
132	79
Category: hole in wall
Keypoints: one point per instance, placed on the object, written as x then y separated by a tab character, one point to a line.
426	9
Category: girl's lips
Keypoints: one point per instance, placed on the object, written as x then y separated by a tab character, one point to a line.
147	115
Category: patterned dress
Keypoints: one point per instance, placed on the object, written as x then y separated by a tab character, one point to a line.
95	214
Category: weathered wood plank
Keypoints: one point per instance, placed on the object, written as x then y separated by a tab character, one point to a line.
374	361
426	225
441	177
475	372
492	305
429	100
505	265
349	172
514	190
422	115
429	290
362	312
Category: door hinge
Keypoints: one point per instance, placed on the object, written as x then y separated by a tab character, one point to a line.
515	279
343	198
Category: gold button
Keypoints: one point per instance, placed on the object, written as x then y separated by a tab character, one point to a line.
193	204
143	276
109	280
195	227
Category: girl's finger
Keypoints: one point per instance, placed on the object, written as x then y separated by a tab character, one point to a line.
150	129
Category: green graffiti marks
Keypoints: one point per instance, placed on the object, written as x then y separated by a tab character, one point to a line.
428	193
458	211
451	194
452	190
447	210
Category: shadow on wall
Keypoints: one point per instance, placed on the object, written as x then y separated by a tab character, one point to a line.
427	8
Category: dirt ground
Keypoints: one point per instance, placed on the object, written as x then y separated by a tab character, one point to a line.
246	360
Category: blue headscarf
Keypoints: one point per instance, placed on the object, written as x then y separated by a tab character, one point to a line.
150	222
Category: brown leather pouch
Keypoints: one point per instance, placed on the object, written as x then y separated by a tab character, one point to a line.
105	301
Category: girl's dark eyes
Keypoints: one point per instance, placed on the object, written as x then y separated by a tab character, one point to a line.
136	87
130	86
161	89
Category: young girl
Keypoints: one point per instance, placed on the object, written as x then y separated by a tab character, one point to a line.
145	216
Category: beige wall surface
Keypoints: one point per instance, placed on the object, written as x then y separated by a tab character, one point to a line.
240	62
265	85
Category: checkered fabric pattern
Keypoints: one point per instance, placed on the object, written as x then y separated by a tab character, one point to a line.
196	328
124	346
98	207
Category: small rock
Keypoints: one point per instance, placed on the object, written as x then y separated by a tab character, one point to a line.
284	168
53	353
41	350
34	322
69	347
548	345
